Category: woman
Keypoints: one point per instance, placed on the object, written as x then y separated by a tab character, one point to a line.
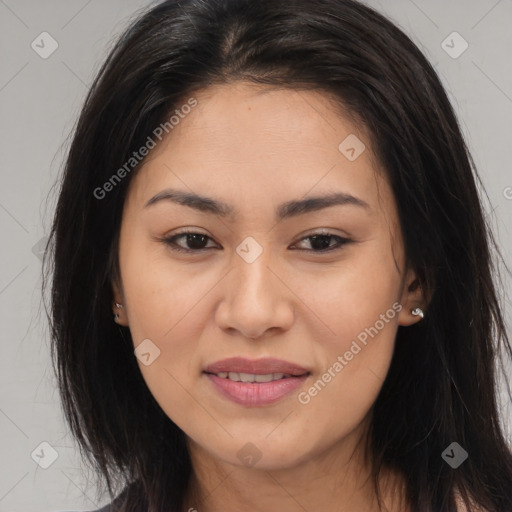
273	282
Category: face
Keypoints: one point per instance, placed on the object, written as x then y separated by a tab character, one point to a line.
320	286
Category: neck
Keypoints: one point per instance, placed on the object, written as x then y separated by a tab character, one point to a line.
337	479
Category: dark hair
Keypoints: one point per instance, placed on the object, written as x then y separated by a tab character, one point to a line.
441	386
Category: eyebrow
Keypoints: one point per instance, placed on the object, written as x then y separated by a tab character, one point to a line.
283	211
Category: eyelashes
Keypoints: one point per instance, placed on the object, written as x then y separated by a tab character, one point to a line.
197	238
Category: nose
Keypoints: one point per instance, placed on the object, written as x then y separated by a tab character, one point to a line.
256	300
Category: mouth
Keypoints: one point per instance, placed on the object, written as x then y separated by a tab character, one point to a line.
246	368
255	382
252	377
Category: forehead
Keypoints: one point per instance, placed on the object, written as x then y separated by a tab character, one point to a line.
247	144
253	120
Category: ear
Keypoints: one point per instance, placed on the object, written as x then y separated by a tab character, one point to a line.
118	299
413	296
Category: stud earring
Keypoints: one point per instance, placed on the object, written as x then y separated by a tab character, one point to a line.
417	312
116	315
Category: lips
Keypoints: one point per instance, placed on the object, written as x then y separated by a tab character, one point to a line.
263	366
255	383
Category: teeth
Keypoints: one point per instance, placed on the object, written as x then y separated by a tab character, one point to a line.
265	378
251	377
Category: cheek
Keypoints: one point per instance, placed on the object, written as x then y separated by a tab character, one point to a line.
359	304
355	365
160	292
353	296
166	306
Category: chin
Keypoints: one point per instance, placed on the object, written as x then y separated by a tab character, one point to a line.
257	452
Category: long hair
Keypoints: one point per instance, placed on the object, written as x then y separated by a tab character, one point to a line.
442	383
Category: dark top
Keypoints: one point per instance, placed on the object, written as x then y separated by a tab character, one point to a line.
110	507
114	506
106	508
118	501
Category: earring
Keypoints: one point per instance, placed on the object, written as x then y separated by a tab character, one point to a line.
417	312
116	315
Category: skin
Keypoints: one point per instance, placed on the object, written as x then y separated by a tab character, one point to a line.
255	147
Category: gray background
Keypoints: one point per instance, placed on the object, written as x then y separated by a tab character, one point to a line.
39	102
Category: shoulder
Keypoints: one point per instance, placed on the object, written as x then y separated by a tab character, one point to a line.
105	508
461	507
118	502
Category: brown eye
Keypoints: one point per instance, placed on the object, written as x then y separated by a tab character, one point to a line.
195	241
321	242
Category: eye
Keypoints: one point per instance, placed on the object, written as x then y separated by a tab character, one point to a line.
322	241
196	242
195	239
